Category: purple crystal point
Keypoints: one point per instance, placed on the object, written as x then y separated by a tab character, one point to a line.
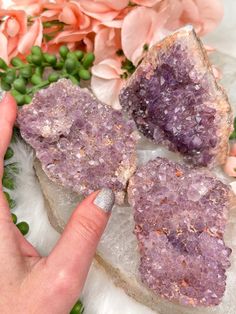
180	216
82	144
174	100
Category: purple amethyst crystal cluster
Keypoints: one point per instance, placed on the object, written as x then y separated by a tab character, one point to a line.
180	216
82	143
172	102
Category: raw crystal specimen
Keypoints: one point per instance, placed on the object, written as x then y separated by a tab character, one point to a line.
180	216
174	99
82	144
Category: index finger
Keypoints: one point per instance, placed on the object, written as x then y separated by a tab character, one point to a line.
68	264
7	119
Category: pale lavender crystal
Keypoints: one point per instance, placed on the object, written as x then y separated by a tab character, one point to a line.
82	143
180	216
171	104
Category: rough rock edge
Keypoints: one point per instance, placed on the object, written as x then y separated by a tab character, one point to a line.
126	167
131	285
222	107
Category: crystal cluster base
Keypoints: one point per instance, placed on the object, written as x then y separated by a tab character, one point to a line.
82	143
175	100
180	216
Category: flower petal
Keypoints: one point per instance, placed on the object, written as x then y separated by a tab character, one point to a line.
3	47
67	16
107	91
233	149
107	69
117	5
216	72
88	43
19	15
69	36
204	15
107	41
146	3
104	10
140	27
230	166
211	13
113	24
33	37
13	27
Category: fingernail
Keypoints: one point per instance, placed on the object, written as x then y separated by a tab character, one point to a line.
105	200
2	94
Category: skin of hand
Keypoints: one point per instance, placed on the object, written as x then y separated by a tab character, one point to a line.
29	283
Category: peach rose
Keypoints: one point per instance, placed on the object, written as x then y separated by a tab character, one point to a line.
77	24
146	3
106	81
142	26
230	166
33	37
66	12
103	10
232	151
107	41
31	7
12	29
204	15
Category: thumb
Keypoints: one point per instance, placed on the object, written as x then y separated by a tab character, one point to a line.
70	260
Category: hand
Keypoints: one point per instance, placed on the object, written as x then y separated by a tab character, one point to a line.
29	283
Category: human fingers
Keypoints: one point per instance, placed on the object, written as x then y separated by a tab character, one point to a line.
70	260
7	118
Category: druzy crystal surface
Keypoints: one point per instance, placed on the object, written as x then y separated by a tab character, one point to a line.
173	97
82	143
180	216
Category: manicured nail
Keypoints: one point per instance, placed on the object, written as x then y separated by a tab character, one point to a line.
2	94
105	200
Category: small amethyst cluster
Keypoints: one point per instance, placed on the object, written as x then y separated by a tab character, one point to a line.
82	144
171	103
180	216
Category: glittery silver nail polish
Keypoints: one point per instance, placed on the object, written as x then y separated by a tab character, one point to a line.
105	200
2	94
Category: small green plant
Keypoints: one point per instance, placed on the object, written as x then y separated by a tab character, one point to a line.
233	134
78	308
8	183
24	78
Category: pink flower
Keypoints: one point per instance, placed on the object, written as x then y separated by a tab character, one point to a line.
204	15
146	3
66	12
12	28
107	41
31	7
140	27
77	24
103	10
230	166
33	37
232	151
106	82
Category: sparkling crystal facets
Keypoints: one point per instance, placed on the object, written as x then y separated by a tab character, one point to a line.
180	216
82	144
174	100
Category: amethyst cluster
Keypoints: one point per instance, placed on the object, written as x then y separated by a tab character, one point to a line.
82	143
180	216
172	102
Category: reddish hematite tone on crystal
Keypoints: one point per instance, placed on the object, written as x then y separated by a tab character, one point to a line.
82	143
180	216
172	102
